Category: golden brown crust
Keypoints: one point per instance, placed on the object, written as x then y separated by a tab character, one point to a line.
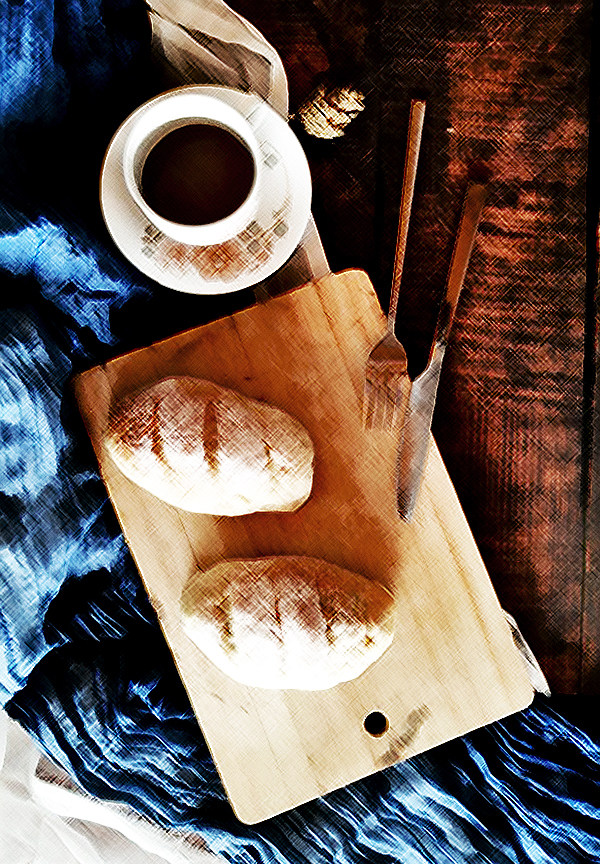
210	435
205	448
292	621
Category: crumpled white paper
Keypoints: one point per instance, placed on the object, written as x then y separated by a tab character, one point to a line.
206	42
42	823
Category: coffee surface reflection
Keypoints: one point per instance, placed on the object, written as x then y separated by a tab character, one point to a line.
197	174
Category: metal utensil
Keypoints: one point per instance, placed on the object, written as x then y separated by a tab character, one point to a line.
387	385
421	403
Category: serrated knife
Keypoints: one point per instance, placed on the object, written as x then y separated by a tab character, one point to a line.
414	445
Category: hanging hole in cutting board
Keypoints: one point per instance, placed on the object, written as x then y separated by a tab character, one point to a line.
376	724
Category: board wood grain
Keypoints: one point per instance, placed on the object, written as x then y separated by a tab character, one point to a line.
452	666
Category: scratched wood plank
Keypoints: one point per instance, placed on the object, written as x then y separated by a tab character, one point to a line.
452	666
515	378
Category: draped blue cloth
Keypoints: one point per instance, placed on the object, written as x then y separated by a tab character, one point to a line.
84	667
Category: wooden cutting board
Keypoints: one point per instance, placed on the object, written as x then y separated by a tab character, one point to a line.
452	666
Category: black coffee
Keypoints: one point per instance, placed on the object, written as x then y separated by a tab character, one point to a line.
197	174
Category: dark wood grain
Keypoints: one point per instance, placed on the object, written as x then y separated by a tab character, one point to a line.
514	381
590	679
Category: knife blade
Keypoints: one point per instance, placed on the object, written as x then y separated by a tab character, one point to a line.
414	445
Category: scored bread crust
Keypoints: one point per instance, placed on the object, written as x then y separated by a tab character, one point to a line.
207	449
287	622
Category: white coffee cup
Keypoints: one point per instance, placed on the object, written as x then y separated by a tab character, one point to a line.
172	111
202	253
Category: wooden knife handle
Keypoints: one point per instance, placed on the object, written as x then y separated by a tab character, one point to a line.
415	131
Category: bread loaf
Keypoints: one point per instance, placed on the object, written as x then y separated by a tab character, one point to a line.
287	622
208	449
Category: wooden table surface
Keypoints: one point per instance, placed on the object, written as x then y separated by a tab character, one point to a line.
507	93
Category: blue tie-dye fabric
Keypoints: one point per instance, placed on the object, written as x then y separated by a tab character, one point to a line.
84	666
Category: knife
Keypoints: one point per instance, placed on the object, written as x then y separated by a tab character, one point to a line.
414	445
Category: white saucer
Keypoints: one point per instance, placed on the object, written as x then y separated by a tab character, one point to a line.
258	250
